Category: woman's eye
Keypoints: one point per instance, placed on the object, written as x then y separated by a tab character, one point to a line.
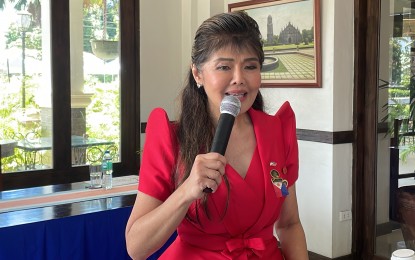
224	67
251	67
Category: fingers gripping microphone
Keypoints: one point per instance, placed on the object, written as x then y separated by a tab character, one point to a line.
229	109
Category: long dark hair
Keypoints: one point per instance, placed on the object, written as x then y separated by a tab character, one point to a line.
195	125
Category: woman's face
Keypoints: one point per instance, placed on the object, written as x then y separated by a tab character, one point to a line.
230	72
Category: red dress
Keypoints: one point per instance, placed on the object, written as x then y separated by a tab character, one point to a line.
246	230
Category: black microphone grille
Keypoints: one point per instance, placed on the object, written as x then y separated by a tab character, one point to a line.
230	105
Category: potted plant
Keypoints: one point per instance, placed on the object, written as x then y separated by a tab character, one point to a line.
103	47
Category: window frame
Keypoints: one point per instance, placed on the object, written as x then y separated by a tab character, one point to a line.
63	172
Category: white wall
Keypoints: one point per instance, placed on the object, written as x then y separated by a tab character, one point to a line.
167	29
325	184
160	55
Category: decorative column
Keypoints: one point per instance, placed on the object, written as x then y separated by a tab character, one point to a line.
44	95
79	99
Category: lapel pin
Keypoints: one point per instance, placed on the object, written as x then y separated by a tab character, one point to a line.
274	174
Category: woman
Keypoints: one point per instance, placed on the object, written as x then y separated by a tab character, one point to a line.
252	185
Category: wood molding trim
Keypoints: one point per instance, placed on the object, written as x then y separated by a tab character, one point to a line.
341	137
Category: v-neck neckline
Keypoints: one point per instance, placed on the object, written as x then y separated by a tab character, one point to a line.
254	154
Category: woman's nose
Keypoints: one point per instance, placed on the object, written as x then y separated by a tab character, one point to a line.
238	77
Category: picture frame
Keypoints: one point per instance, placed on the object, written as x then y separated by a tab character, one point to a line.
290	32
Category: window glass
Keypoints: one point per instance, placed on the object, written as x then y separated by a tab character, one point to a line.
95	88
73	96
25	93
395	201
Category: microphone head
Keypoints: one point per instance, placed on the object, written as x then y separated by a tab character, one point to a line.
230	105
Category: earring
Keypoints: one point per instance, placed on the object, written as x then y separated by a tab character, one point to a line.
199	85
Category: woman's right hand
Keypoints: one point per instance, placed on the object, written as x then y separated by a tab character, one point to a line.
206	172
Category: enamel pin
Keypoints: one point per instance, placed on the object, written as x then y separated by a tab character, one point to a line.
280	183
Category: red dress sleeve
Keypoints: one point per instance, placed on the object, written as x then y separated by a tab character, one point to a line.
288	126
158	157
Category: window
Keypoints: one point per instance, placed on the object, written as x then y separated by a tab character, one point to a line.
395	145
77	101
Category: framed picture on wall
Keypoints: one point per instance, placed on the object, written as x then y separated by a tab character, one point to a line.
291	40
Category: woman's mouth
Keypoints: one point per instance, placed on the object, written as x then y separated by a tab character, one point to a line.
238	95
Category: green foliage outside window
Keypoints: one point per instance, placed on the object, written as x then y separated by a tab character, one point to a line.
401	90
103	112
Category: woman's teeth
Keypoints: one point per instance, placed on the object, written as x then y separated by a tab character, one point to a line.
236	94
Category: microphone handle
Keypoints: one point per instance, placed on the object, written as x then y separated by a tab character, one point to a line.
221	138
222	134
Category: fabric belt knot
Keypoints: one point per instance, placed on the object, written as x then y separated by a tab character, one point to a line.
241	248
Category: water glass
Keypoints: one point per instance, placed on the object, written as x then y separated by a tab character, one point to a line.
95	175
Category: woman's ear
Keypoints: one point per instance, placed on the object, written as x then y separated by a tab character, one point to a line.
196	74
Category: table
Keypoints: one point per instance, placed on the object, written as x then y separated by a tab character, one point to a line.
92	229
98	235
79	145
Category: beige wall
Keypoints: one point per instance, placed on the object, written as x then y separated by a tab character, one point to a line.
325	185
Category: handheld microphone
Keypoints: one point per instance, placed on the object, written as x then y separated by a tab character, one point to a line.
229	109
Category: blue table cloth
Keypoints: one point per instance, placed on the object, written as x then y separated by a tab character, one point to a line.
98	235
